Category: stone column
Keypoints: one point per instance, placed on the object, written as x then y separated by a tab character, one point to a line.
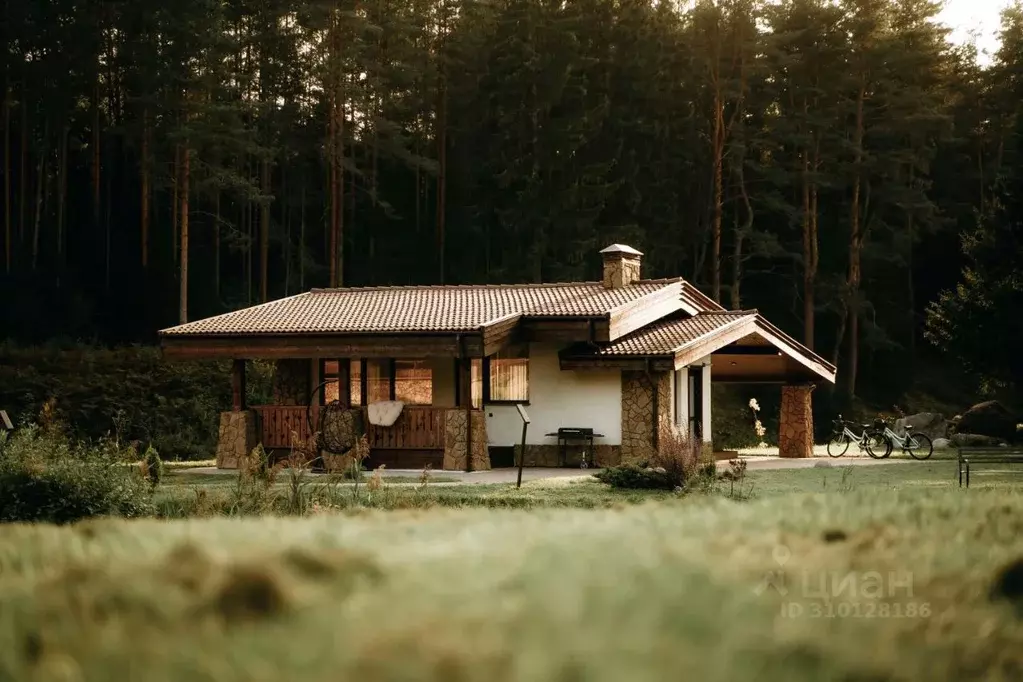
638	412
455	433
237	438
795	431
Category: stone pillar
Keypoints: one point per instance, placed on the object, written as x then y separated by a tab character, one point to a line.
795	431
454	441
291	382
236	439
638	412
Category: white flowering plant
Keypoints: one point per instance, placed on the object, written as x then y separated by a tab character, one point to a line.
758	428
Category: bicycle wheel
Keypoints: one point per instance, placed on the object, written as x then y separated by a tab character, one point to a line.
919	446
838	445
877	447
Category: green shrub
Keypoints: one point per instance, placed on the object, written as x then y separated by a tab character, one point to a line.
635	476
677	464
46	477
153	465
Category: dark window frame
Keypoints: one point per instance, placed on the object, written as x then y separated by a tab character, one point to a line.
488	399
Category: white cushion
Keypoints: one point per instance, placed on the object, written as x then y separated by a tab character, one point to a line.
385	412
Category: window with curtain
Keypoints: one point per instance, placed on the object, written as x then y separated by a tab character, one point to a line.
509	375
331	375
356	382
476	382
378	380
413	382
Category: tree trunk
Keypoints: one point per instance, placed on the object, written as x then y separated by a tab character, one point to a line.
145	182
107	236
61	199
175	203
23	172
301	240
855	249
216	245
264	232
41	189
8	242
336	160
741	232
286	228
718	185
96	160
183	217
442	173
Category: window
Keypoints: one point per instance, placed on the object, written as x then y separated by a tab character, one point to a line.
476	382
378	380
413	382
509	376
355	382
331	375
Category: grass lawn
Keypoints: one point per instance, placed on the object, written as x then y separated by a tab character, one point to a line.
889	572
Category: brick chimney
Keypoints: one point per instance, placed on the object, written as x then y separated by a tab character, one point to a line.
621	265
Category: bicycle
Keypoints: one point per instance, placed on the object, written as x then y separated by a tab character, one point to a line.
867	441
914	444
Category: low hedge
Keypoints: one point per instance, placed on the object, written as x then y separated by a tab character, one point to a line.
129	392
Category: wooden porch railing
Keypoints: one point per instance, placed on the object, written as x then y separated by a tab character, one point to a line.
418	427
277	422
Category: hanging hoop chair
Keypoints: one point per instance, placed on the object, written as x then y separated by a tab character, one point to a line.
336	427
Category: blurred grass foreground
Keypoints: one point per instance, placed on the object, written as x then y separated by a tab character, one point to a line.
872	582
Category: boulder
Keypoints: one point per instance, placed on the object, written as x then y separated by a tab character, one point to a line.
989	418
968	440
931	424
940	443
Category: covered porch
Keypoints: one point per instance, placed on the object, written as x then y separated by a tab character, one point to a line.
436	377
429	388
669	368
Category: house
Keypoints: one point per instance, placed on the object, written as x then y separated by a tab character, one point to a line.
624	356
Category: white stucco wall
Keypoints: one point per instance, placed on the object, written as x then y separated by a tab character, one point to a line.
681	382
708	434
591	398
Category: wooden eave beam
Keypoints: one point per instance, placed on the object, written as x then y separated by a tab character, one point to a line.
637	363
500	333
564	329
755	379
747	350
280	347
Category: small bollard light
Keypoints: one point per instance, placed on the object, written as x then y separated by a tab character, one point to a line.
522	453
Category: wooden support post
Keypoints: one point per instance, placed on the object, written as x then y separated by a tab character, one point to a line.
344	381
392	370
363	383
238	386
468	413
314	381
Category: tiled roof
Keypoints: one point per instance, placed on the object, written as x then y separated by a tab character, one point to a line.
418	308
668	336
